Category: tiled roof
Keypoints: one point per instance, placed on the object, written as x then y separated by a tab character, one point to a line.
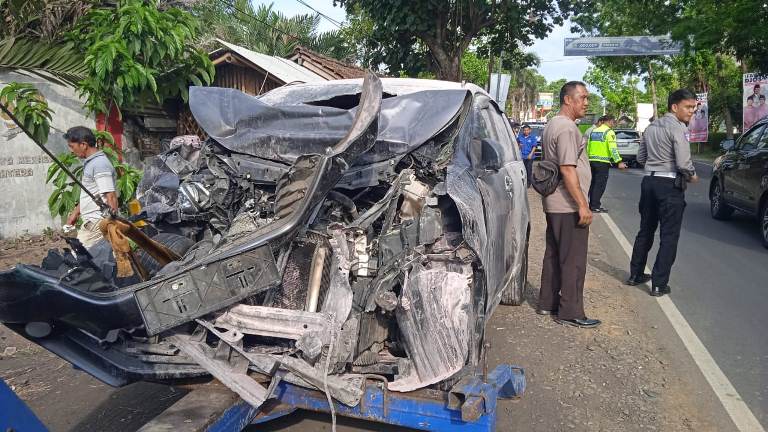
283	69
327	67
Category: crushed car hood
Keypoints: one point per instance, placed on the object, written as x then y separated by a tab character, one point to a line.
282	130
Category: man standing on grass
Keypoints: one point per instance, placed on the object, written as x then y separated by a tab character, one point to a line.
98	178
666	154
567	213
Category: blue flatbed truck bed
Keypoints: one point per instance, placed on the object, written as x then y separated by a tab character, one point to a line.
470	405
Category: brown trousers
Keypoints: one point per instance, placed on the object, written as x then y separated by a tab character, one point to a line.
565	265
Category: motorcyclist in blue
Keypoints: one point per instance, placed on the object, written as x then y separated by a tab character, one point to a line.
527	143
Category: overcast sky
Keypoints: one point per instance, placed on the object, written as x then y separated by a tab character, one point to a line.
554	65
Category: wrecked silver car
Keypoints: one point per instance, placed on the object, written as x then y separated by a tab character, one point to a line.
328	232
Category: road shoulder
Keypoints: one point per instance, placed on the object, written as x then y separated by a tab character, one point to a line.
631	374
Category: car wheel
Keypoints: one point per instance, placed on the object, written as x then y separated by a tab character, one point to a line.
764	223
175	242
718	207
514	293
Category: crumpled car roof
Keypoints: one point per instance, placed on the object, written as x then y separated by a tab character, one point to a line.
283	124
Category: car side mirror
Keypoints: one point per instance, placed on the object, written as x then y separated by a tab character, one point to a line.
727	145
490	158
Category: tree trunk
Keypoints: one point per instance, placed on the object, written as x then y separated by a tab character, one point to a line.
448	64
652	79
728	122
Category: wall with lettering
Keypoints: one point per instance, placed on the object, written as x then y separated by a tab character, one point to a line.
23	166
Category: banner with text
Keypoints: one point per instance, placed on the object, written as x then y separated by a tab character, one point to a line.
621	46
698	127
755	91
545	100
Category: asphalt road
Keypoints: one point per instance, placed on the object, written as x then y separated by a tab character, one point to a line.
719	281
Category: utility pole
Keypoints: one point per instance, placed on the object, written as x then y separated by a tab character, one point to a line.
498	78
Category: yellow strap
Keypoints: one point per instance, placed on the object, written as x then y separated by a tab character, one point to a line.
121	247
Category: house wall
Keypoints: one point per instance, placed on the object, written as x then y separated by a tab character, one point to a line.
244	79
23	166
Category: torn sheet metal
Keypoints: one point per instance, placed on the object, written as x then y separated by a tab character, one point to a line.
346	388
275	322
236	380
434	321
338	300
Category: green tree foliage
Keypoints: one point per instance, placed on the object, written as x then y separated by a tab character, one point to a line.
620	92
31	38
29	107
44	20
130	48
603	18
474	69
732	28
447	28
357	35
262	29
716	36
525	86
717	74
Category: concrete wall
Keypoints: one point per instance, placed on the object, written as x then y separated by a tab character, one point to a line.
23	166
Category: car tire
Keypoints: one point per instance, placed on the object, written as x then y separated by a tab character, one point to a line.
514	293
175	242
719	209
764	223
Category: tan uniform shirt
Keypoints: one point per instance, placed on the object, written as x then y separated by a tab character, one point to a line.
561	143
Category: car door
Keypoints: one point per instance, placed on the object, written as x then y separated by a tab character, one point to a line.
505	200
755	172
735	167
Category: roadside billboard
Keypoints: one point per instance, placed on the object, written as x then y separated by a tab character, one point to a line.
544	101
755	91
698	127
621	46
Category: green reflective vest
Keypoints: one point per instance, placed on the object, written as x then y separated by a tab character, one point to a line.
602	145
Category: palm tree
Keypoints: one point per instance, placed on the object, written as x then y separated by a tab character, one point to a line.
524	91
31	39
265	30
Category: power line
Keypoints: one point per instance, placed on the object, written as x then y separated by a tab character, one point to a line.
331	20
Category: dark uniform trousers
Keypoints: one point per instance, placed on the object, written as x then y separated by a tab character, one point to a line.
528	169
661	205
564	267
600	172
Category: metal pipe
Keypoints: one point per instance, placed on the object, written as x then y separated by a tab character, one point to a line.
102	205
315	278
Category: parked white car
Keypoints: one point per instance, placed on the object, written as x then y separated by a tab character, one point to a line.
628	142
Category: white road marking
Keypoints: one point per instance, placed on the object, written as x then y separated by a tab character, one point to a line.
732	402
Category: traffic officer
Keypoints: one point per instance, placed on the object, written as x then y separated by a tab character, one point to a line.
666	154
585	137
602	151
